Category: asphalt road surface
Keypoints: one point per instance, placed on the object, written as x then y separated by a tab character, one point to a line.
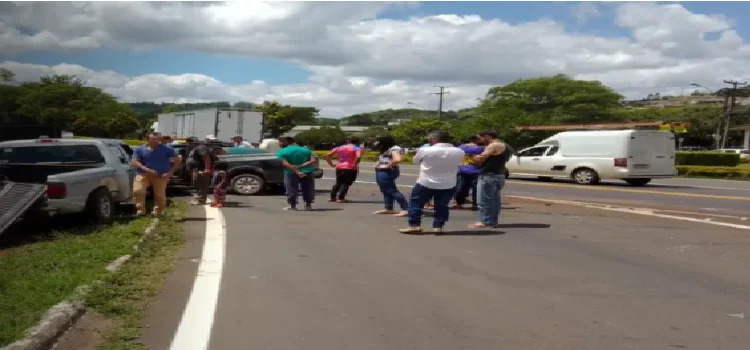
551	277
721	197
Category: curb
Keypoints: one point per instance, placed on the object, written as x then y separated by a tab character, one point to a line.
63	315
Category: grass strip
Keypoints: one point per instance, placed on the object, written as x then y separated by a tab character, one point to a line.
124	295
43	270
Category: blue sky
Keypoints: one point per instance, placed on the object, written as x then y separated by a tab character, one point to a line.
239	70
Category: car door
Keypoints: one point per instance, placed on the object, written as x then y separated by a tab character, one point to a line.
124	170
528	161
546	163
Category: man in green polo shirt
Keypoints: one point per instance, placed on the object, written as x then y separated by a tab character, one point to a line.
299	165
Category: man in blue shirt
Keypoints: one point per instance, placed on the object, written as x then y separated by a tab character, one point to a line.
156	163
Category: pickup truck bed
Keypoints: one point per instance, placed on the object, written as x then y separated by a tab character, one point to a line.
15	199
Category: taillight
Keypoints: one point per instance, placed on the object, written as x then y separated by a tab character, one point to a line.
56	190
621	162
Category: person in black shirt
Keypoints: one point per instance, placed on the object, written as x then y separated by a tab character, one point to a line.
203	161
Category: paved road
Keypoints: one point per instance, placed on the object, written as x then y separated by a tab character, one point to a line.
553	277
700	195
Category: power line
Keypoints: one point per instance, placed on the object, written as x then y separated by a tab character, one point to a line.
440	100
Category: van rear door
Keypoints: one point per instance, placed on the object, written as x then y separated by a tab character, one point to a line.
651	154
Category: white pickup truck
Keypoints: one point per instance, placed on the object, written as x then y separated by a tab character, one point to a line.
81	175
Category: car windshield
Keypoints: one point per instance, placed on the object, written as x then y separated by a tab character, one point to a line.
68	154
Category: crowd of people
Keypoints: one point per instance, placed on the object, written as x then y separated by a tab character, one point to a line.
446	173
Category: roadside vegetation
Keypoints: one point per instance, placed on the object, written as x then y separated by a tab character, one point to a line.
39	269
124	295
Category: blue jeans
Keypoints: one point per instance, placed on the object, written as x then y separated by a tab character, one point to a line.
488	191
292	184
420	195
386	180
466	183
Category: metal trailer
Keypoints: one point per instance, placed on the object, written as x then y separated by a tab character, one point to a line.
224	123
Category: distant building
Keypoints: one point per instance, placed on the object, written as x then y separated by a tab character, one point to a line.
354	130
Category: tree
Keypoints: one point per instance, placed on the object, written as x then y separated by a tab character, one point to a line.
6	75
415	131
372	133
321	137
122	124
244	104
282	118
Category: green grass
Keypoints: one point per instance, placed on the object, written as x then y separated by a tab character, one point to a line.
124	295
744	165
37	273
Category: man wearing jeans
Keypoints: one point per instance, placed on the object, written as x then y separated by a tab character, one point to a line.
155	164
438	168
299	165
491	178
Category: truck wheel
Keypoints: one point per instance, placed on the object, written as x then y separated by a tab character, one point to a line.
586	176
637	182
100	207
247	184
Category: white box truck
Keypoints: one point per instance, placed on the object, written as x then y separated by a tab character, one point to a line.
635	156
224	123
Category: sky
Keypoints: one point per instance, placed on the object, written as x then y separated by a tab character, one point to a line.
353	57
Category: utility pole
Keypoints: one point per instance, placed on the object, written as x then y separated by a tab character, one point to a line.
440	100
729	108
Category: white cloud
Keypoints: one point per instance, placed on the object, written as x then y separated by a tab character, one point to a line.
360	62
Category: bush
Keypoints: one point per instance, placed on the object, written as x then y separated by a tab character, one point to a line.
707	158
744	160
739	173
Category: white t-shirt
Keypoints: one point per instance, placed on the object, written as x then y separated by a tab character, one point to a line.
243	144
438	165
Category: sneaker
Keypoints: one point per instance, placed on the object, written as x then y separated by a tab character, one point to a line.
308	207
438	231
411	231
290	208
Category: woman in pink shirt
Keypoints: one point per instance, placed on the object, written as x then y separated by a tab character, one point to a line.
348	157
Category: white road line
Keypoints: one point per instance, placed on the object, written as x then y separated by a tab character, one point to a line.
630	210
638	211
194	330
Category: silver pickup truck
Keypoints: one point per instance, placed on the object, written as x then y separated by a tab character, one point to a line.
81	175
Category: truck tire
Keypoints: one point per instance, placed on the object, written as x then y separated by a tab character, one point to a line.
585	176
637	182
247	184
100	208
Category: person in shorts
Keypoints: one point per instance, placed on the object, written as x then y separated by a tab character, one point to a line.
348	157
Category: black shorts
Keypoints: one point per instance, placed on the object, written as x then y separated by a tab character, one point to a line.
346	176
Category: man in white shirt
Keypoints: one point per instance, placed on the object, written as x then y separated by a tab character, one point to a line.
239	142
438	172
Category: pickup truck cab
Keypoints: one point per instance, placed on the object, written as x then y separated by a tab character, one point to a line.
251	170
81	175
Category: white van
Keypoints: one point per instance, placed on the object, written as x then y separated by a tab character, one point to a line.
636	156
